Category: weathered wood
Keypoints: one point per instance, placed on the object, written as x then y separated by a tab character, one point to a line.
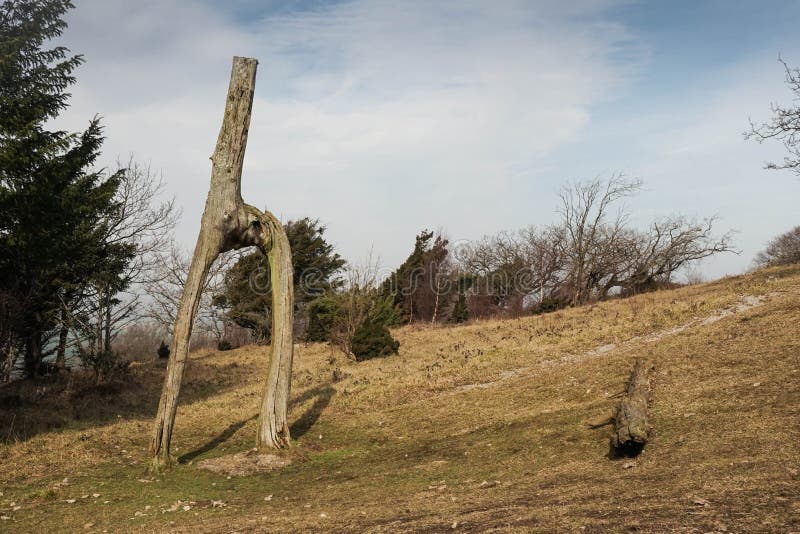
273	426
631	425
228	223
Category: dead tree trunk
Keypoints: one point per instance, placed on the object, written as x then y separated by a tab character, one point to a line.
631	426
228	223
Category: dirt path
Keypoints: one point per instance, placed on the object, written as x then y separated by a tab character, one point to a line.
746	303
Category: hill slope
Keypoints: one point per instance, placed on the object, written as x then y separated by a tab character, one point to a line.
470	428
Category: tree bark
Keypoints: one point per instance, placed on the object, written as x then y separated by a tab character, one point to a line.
107	325
631	426
33	353
273	427
228	223
63	331
98	342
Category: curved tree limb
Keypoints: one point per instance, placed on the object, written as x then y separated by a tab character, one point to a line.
273	427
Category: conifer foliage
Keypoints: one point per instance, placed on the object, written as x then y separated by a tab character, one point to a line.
52	203
248	296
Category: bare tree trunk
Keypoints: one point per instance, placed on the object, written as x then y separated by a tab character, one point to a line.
33	353
435	305
63	331
107	325
98	342
228	223
541	284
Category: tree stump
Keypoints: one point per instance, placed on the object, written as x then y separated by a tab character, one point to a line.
228	223
631	426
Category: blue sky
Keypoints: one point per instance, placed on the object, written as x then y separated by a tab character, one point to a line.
383	118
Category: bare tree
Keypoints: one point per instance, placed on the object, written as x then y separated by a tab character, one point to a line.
165	288
591	235
670	245
355	302
591	254
510	270
227	224
143	222
784	126
783	250
545	254
144	219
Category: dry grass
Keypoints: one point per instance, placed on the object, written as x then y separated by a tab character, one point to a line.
472	428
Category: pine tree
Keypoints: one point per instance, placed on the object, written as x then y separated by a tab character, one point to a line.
51	205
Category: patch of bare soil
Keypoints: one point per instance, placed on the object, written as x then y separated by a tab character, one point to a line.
244	463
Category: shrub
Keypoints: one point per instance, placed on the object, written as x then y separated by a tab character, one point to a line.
372	339
550	304
107	365
224	344
322	313
163	351
140	341
460	313
356	319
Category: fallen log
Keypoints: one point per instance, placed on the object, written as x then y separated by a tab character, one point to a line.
631	426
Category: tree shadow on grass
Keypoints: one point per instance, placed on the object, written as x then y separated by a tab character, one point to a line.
73	400
216	441
322	396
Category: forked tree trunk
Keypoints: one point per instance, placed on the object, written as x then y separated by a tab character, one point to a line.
631	425
228	223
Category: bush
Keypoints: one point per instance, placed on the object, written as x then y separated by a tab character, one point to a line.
140	341
460	313
224	344
163	351
107	365
322	313
372	339
550	304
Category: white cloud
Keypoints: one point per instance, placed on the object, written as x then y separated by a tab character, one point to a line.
699	162
380	118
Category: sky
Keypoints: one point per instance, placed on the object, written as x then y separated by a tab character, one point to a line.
382	118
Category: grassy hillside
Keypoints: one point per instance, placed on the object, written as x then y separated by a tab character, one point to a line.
471	428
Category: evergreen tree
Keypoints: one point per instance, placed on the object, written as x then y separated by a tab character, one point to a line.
415	286
322	313
52	239
372	339
460	312
247	294
403	282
